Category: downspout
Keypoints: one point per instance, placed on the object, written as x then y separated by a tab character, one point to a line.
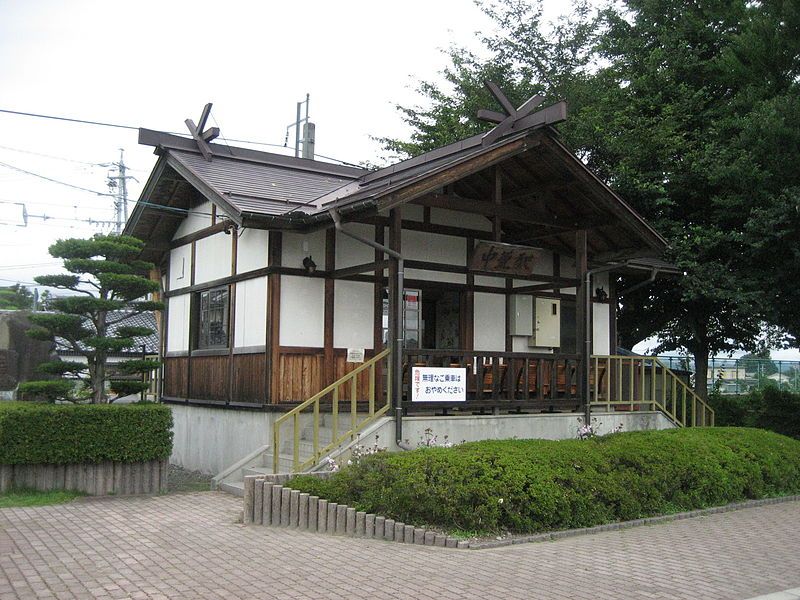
397	381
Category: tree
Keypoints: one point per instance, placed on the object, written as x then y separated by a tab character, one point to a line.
15	297
108	284
691	111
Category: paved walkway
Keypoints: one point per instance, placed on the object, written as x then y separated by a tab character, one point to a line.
189	546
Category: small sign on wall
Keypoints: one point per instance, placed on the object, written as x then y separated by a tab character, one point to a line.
355	355
438	384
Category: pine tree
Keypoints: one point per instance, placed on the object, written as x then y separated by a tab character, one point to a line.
108	285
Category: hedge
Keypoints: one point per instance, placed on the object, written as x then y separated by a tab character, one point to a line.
526	486
767	408
34	433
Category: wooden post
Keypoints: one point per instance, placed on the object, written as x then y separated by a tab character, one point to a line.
273	319
395	243
583	333
232	314
377	334
329	375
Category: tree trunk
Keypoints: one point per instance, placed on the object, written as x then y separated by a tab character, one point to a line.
701	349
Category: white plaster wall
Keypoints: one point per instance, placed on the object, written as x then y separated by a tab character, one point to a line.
412	212
567	266
213	256
180	267
454	218
353	314
178	323
210	439
252	250
601	317
543	265
350	252
196	219
251	313
296	246
489	322
490	281
302	311
431	247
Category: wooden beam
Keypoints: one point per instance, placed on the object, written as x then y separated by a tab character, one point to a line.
202	233
489	209
273	320
451	174
497	198
379	265
582	334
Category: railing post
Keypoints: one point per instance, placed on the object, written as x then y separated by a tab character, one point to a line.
296	444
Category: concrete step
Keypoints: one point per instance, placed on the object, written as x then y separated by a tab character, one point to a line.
233	487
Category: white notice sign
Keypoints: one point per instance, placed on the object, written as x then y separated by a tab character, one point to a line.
355	355
438	384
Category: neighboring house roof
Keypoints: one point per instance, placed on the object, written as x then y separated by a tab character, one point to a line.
143	319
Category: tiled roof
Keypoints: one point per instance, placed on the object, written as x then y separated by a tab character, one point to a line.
143	319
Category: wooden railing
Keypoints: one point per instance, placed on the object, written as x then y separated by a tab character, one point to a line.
357	422
498	379
645	383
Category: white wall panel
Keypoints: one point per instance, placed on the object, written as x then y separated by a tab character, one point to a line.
413	212
252	250
491	281
434	276
567	266
489	322
454	218
350	252
302	311
601	316
296	246
213	256
447	249
251	313
197	218
353	314
180	267
178	323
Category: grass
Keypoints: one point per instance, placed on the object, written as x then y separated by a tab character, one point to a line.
25	498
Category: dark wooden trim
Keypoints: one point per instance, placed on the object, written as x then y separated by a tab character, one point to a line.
273	318
210	352
200	234
612	317
328	366
249	350
468	322
193	266
176	354
255	274
581	332
377	307
378	265
395	243
213	214
449	174
497	199
300	350
429	228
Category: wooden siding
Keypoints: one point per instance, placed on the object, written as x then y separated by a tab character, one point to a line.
299	375
208	379
249	383
175	377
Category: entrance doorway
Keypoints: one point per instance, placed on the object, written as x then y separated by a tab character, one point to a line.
441	319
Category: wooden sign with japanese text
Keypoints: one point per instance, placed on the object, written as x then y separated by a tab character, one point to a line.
495	257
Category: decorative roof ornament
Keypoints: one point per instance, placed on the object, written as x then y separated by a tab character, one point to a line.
203	137
518	119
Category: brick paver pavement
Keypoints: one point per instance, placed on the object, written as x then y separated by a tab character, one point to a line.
189	546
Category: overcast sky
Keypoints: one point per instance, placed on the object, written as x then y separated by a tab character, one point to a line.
154	64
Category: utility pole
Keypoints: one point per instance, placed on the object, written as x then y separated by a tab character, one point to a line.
118	185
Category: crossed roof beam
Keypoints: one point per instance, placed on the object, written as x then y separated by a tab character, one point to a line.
203	137
518	119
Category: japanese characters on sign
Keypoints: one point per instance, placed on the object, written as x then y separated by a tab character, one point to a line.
438	384
355	355
504	258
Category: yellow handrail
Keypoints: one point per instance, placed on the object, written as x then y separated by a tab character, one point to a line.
337	438
674	391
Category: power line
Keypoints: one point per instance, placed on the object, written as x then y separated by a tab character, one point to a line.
119	126
77	187
72	160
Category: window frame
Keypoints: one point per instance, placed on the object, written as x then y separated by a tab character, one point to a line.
202	339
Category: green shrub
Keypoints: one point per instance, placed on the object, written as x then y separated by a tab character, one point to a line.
32	433
527	486
780	412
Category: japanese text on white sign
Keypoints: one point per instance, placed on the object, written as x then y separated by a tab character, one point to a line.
438	384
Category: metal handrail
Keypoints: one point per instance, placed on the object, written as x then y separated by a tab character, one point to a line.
613	368
337	438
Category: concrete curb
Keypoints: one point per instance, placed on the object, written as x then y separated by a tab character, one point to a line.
267	502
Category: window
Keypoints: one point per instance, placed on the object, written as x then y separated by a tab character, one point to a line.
212	319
